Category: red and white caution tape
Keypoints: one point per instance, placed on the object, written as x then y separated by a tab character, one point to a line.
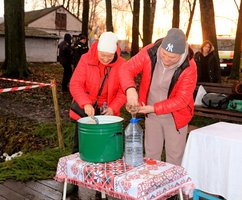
23	81
35	85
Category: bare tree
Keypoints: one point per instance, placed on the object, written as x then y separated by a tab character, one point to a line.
235	71
135	28
78	8
109	21
85	15
191	11
152	16
208	27
15	55
93	22
148	20
176	14
146	23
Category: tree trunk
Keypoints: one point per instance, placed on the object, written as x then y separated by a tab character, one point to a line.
85	16
148	20
146	23
109	20
135	28
192	10
208	27
176	14
15	54
152	17
235	71
78	9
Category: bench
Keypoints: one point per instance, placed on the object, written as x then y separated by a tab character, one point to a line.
230	89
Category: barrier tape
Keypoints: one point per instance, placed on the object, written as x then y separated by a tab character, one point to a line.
35	85
23	81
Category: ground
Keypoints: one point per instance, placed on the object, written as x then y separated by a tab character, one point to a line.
21	110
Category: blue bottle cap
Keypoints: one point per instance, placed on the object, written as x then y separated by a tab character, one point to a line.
135	120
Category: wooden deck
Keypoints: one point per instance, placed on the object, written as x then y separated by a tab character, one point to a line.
33	190
43	190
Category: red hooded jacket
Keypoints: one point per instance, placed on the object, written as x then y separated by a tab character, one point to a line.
180	96
86	80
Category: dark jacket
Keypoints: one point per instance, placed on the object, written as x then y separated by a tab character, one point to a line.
78	50
65	51
207	67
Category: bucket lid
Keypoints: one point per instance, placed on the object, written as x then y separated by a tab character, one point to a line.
103	119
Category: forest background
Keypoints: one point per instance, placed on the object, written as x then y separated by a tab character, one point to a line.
141	22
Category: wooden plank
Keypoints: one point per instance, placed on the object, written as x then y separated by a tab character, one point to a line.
7	193
45	190
218	111
52	184
27	192
209	89
216	84
225	88
221	117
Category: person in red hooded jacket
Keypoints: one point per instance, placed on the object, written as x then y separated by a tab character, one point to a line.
102	58
169	76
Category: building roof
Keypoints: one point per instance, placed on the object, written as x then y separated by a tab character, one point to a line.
36	14
32	32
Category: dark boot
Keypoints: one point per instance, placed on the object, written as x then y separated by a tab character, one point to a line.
71	190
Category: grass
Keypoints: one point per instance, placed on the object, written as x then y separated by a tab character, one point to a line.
38	164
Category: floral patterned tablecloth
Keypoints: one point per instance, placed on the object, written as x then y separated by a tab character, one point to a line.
151	180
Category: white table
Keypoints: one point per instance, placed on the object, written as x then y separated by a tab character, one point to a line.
213	159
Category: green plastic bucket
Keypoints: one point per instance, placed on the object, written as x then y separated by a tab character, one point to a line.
101	142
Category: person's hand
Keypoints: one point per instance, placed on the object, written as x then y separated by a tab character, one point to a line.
132	97
145	109
89	110
108	111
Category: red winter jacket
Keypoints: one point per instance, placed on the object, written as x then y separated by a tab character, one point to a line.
180	95
86	80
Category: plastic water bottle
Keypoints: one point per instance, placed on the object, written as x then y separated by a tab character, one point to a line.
133	153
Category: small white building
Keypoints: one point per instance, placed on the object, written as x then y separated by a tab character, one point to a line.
44	29
54	20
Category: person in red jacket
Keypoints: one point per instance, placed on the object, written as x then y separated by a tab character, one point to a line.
102	59
169	76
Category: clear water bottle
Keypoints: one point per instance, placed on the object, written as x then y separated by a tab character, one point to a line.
133	153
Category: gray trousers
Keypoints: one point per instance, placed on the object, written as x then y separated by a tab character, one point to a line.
160	131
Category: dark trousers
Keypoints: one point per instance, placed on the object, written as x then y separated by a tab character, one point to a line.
75	147
66	76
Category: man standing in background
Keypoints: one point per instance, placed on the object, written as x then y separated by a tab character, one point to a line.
65	58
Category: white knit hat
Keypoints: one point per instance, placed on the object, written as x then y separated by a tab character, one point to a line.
107	42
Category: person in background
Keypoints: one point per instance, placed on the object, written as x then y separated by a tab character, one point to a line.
65	58
79	48
168	81
207	64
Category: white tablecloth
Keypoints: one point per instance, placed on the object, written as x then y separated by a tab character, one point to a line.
213	159
156	181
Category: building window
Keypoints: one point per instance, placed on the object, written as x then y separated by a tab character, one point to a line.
60	21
